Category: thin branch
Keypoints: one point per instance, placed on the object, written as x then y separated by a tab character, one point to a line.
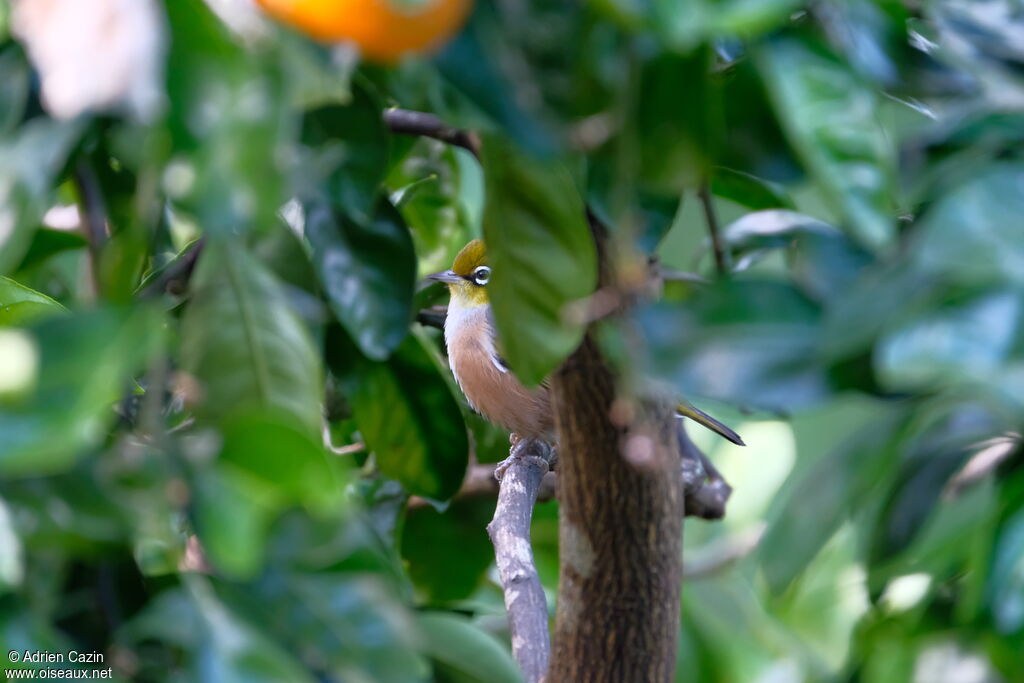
521	476
405	122
480	482
93	215
433	316
721	255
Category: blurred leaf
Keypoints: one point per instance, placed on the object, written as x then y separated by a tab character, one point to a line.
684	23
974	233
77	366
233	513
749	190
448	552
830	119
316	77
815	504
220	646
464	651
751	343
348	150
406	414
240	338
542	255
227	120
14	86
1006	583
974	342
30	163
20	305
346	626
368	272
47	242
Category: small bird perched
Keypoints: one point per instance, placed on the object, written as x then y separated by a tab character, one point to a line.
491	389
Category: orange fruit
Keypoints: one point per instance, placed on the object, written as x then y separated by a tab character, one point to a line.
384	30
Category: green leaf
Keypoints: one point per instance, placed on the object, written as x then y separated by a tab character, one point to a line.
72	369
816	503
14	86
542	255
368	271
244	343
348	148
20	305
830	118
465	651
751	343
448	552
974	234
350	626
406	414
30	162
282	455
749	190
227	122
971	344
47	242
233	513
684	23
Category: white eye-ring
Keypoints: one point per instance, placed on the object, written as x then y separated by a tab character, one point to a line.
481	275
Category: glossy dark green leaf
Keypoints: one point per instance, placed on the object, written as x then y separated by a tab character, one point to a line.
464	651
406	413
244	343
542	255
74	368
368	272
227	120
20	305
30	162
751	343
974	233
830	118
448	552
348	151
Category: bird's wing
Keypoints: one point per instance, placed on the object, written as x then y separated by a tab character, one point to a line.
700	417
496	359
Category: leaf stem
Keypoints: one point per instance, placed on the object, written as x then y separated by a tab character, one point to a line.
721	254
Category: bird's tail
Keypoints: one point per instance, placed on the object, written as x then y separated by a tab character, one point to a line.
702	418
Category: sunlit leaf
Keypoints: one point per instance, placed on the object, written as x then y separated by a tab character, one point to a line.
20	305
464	651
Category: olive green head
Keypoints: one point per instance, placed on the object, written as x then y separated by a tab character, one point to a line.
467	280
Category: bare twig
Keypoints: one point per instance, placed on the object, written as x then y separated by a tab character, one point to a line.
721	255
480	482
433	316
92	211
405	122
521	476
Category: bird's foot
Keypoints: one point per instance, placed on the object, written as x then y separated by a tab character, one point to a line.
538	453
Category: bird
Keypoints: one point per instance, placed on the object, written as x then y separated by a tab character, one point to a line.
484	377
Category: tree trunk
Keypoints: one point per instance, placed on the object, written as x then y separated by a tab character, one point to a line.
620	532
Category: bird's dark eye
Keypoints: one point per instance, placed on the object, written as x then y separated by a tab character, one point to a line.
481	275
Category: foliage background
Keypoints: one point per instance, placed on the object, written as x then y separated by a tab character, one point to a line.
865	165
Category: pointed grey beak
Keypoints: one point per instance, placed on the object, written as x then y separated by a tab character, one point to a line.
445	276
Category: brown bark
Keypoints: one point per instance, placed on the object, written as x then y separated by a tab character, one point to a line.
620	533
